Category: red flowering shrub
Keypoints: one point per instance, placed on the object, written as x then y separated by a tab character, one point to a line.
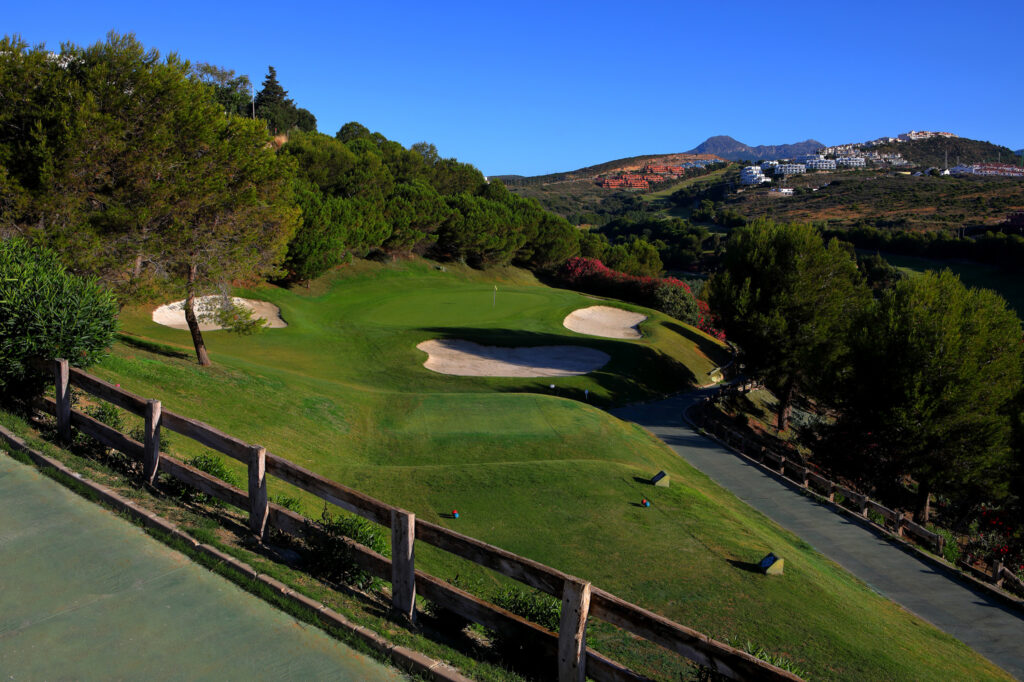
594	277
994	539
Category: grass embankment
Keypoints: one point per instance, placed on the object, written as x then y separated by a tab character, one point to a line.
342	390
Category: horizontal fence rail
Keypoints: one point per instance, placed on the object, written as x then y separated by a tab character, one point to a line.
815	482
566	649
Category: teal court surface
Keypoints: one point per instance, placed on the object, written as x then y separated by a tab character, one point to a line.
85	595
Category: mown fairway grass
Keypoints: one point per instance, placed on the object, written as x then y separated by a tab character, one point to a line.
343	391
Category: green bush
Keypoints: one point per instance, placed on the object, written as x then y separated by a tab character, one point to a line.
47	312
212	465
539	608
330	556
950	547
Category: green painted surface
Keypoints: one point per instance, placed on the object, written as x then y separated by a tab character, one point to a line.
86	595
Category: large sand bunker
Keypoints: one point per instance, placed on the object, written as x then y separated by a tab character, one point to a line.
173	314
602	320
468	359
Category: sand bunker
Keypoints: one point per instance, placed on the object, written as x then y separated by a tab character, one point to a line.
468	359
602	320
173	314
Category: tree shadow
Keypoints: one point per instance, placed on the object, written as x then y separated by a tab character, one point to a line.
709	348
152	346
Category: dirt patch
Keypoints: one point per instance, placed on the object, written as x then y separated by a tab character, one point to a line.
173	314
468	359
602	320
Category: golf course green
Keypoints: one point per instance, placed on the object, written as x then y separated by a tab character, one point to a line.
544	472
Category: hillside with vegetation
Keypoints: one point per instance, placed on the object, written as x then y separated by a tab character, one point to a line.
875	198
934	152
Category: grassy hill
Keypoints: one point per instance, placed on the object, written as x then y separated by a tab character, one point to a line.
542	473
884	200
934	150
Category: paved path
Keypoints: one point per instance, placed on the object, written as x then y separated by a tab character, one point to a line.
86	595
973	617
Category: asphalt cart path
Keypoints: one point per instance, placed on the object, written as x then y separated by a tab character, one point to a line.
86	595
974	617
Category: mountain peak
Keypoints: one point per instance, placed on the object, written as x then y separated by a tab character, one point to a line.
734	150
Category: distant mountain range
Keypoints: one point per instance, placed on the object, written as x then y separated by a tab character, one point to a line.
734	150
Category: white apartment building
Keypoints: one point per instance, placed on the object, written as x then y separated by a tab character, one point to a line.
820	164
752	175
808	157
851	161
790	169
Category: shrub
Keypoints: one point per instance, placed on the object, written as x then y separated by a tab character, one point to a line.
539	608
670	295
330	556
212	465
47	312
950	546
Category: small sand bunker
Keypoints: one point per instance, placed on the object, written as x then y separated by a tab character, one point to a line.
468	359
173	314
602	320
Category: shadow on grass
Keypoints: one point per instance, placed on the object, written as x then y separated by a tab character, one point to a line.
748	566
635	371
709	348
152	346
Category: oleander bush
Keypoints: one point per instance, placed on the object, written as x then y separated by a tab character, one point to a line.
47	312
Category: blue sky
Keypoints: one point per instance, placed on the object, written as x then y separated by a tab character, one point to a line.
539	87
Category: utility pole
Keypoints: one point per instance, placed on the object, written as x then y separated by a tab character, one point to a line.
252	97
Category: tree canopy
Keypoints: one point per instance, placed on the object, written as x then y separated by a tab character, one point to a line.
935	368
787	299
279	111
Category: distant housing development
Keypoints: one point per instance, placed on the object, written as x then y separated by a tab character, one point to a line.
649	175
1002	169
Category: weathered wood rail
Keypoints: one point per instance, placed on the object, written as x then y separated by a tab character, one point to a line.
803	476
566	649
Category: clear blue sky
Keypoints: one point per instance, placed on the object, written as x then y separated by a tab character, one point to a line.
538	87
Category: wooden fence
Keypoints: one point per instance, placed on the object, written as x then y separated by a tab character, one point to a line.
580	600
803	476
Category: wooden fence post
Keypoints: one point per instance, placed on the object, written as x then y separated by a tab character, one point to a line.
63	387
151	451
572	632
782	464
997	574
259	506
831	491
899	525
863	504
403	563
940	543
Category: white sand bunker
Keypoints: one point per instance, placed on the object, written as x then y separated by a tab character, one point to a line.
468	359
602	320
173	314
